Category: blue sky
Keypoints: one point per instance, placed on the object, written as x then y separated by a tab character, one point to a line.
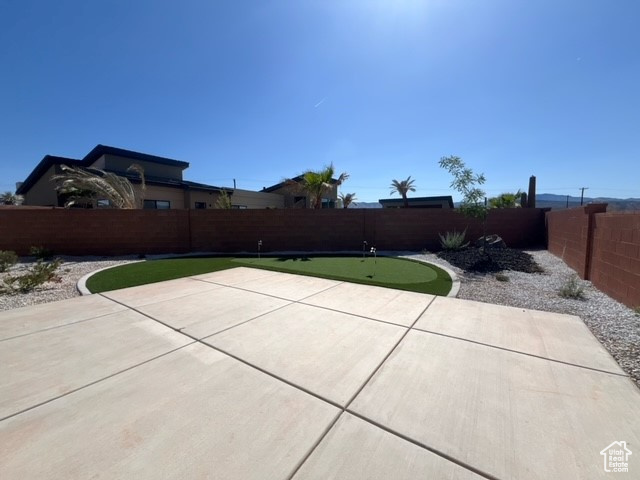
259	90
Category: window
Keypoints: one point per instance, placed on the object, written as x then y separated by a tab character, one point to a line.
103	203
238	207
157	204
201	205
328	203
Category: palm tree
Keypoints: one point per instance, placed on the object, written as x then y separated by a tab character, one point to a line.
317	183
80	183
403	187
347	199
9	198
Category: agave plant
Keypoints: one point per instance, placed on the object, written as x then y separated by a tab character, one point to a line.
453	240
77	183
403	187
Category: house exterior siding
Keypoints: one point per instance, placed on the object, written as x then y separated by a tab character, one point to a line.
251	199
43	192
173	195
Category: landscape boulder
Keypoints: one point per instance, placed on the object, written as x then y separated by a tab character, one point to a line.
492	241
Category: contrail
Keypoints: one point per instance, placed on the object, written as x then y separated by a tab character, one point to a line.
319	103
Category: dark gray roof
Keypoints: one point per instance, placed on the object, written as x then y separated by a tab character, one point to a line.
42	167
278	186
100	150
448	199
91	157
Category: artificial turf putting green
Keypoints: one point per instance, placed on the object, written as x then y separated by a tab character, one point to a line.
388	272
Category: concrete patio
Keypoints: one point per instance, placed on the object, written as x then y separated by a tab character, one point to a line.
252	374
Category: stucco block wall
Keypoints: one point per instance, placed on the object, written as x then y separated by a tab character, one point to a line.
615	264
113	232
415	229
94	232
601	247
283	229
568	233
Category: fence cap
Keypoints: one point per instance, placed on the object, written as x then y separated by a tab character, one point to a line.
595	208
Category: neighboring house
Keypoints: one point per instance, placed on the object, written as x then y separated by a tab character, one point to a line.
296	198
165	187
419	202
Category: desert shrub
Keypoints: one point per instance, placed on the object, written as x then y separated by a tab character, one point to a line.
7	260
506	200
572	289
453	240
224	201
40	252
501	277
39	273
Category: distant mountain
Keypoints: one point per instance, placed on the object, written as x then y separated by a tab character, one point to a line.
550	200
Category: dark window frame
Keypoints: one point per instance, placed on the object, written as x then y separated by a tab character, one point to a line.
148	205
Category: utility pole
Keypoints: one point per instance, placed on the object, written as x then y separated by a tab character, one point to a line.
567	201
582	194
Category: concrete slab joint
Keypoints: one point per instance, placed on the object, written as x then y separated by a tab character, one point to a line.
255	374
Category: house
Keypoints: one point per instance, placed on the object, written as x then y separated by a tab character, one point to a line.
165	186
445	201
296	198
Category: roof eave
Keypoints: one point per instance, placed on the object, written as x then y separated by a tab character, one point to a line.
100	150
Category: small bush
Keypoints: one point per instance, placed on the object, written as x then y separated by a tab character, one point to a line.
572	289
39	273
501	277
41	253
453	240
224	201
7	260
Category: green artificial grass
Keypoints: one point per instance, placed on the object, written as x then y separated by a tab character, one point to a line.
388	272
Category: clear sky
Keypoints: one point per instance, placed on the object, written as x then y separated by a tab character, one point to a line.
261	90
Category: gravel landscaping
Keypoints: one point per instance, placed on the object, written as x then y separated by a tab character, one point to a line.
71	270
616	326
